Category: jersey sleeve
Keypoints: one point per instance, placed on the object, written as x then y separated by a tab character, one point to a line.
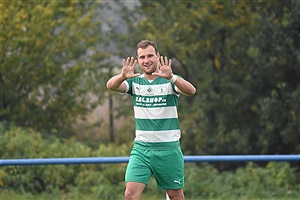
128	83
174	86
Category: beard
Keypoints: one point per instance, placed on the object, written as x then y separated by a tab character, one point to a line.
150	69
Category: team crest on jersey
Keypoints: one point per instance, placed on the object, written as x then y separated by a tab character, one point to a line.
150	90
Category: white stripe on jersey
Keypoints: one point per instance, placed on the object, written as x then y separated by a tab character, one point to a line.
155	113
152	90
157	136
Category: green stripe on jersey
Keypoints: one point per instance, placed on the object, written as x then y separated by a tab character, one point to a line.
155	108
157	124
156	145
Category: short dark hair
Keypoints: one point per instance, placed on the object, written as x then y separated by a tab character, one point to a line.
145	43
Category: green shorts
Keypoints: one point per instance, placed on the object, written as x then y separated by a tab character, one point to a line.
163	160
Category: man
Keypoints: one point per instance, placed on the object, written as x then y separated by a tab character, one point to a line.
156	149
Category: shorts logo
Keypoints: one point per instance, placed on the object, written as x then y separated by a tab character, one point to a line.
177	181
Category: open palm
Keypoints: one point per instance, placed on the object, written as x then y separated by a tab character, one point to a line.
128	68
164	68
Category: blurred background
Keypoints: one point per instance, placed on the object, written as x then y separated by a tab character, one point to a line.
242	56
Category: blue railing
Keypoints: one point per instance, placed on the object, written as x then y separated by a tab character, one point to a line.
107	160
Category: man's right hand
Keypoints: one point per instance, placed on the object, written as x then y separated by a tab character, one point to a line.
116	83
128	68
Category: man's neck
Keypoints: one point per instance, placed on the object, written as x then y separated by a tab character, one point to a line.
150	77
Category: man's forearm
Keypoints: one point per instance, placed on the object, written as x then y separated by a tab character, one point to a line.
115	82
185	87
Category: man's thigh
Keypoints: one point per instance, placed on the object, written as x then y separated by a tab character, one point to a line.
138	168
168	169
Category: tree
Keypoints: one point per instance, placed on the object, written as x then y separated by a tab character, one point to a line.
243	57
50	65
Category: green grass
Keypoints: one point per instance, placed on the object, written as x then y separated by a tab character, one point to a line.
12	195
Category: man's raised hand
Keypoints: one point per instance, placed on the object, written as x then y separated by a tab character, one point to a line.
128	68
164	68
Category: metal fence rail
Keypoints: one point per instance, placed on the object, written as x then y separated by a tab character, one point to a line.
107	160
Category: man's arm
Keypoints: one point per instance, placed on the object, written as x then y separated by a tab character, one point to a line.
116	83
165	71
184	87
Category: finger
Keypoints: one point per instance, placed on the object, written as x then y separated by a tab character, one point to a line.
134	63
123	62
166	60
158	63
127	61
162	60
131	61
137	74
170	62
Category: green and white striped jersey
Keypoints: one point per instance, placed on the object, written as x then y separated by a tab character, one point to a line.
155	109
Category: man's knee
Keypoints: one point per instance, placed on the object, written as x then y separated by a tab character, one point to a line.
175	194
133	191
128	194
131	195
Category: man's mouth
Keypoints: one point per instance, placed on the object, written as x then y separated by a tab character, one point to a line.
148	66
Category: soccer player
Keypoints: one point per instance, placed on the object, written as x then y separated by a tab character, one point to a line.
155	94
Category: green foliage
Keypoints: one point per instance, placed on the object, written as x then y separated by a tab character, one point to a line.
106	181
243	58
58	179
276	180
50	72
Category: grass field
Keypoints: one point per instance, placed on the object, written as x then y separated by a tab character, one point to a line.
11	195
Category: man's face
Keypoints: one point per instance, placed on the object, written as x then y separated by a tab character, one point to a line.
147	59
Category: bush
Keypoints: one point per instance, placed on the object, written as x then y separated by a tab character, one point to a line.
276	180
26	143
106	181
